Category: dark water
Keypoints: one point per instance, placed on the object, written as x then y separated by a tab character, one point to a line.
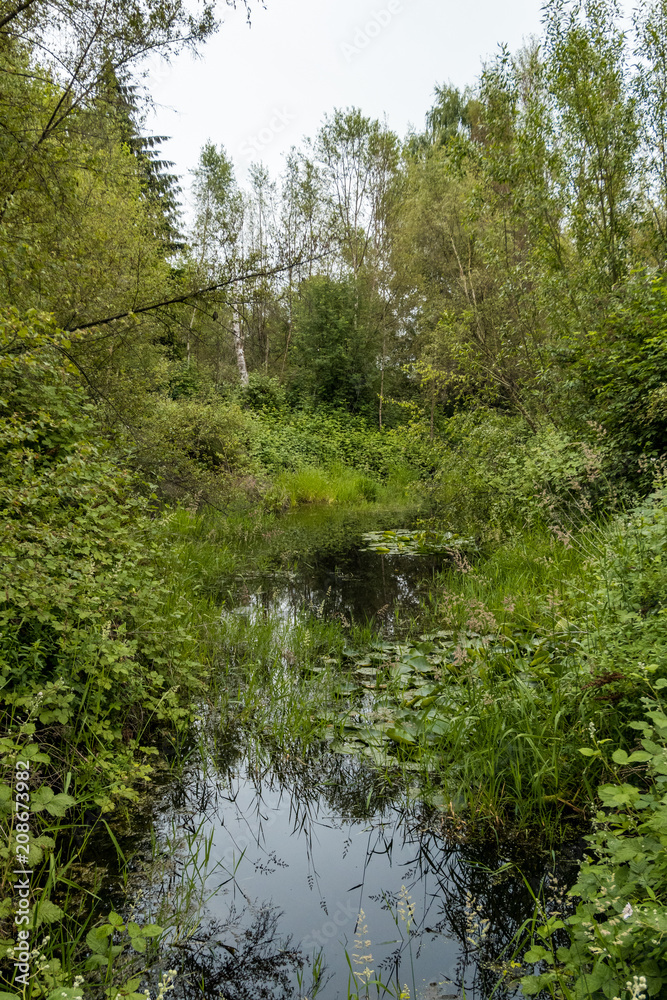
286	854
293	873
318	563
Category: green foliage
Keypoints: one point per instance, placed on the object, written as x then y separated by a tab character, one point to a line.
621	373
81	609
617	932
264	392
587	73
197	447
334	344
335	484
323	438
495	476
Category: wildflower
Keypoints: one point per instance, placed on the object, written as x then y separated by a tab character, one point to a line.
360	943
627	912
637	988
477	926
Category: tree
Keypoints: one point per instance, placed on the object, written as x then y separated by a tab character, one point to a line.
217	237
596	119
334	344
77	45
358	158
650	21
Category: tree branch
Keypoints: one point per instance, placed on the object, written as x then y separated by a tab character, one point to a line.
177	299
15	13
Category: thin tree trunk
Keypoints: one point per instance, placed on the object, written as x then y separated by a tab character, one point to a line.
433	395
382	377
192	322
238	347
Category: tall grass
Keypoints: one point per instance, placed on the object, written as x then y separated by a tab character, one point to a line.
338	483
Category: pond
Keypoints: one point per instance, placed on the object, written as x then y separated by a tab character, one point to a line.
322	562
288	873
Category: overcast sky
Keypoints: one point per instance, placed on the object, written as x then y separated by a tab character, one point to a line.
259	89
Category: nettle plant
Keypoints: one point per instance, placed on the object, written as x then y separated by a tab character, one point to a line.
618	934
85	640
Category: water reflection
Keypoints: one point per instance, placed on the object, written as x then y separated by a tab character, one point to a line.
266	858
295	849
350	586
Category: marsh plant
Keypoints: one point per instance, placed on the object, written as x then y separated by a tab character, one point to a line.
364	980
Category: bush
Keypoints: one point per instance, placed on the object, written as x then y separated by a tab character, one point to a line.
304	438
85	642
196	448
498	476
263	392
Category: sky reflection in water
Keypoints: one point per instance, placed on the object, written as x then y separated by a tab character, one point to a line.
299	848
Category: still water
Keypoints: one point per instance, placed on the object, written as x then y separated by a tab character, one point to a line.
318	875
320	563
313	868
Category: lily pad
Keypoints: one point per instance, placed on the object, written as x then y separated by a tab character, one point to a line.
407	542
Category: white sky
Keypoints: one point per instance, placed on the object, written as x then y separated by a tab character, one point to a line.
258	90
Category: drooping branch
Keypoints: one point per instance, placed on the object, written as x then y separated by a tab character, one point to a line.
188	296
15	13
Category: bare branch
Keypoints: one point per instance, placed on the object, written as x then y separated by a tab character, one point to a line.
178	299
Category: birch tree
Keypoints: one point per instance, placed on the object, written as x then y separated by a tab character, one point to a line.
217	237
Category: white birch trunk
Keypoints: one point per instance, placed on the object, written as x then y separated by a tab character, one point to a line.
238	347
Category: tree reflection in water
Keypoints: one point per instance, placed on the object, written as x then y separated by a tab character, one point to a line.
297	847
240	962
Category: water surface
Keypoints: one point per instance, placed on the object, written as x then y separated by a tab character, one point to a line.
293	873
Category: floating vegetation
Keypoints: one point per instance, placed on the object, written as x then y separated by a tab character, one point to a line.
415	688
418	542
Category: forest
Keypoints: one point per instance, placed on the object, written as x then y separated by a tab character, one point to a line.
452	344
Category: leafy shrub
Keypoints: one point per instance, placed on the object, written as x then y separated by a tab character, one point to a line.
617	932
195	447
619	373
263	392
322	438
495	474
83	630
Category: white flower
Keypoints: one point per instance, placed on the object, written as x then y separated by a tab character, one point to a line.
627	912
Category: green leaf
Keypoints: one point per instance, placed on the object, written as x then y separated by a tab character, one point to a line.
98	940
59	804
400	735
151	930
46	912
95	961
619	795
640	756
530	985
